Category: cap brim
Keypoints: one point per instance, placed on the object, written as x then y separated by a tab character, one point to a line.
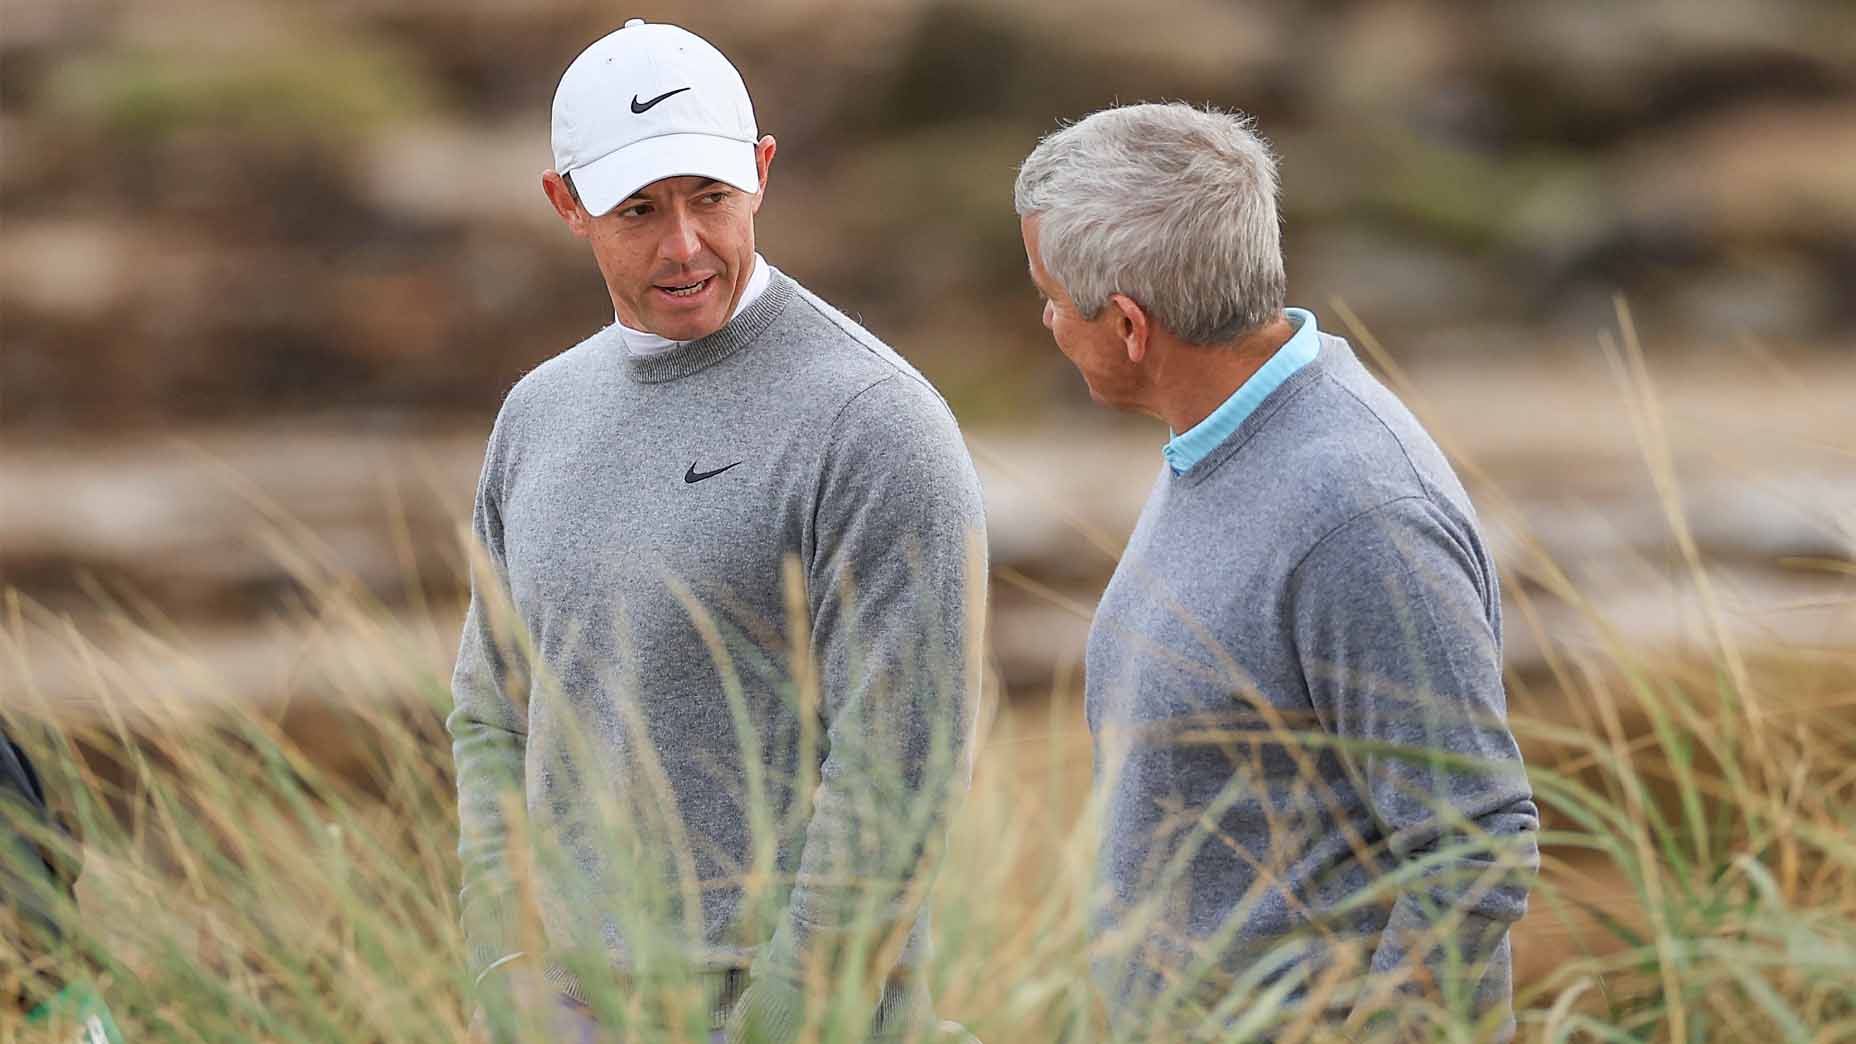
610	180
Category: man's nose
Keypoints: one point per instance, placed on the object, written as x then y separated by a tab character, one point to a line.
680	243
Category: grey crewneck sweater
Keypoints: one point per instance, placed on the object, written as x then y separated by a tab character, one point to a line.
699	795
1319	574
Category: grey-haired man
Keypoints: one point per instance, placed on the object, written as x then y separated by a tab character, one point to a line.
716	685
1294	676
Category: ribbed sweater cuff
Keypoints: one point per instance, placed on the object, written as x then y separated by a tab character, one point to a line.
493	937
722	989
773	1011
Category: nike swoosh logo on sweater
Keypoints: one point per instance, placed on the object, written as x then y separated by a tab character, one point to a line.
692	475
640	108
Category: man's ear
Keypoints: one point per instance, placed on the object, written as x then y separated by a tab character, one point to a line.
1132	325
763	162
555	188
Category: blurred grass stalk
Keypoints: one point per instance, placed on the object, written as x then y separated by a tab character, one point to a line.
244	882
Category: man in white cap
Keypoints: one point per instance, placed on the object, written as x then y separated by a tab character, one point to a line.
716	687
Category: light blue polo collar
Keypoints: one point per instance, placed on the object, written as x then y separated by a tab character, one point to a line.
1188	448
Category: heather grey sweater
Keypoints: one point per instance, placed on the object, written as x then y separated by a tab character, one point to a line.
719	660
1297	619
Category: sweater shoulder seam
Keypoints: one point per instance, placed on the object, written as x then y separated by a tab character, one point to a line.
1348	523
1404	452
825	443
838	417
862	338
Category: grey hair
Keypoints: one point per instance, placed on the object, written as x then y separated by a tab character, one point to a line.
1172	205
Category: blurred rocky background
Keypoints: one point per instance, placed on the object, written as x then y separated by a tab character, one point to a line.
223	209
266	269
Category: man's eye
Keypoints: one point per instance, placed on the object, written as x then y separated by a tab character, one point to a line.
638	210
716	198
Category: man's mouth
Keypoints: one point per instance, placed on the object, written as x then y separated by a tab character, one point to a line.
686	289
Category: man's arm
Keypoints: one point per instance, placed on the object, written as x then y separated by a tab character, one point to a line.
1394	625
896	585
35	882
489	734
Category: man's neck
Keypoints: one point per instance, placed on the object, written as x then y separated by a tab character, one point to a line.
1192	380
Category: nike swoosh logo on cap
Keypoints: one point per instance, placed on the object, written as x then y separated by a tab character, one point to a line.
640	108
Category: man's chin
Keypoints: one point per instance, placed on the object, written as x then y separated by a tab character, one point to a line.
1102	398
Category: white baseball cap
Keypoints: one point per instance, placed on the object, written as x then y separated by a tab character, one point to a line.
651	101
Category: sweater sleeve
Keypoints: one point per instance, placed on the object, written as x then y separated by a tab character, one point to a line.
1396	623
39	862
489	734
896	584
